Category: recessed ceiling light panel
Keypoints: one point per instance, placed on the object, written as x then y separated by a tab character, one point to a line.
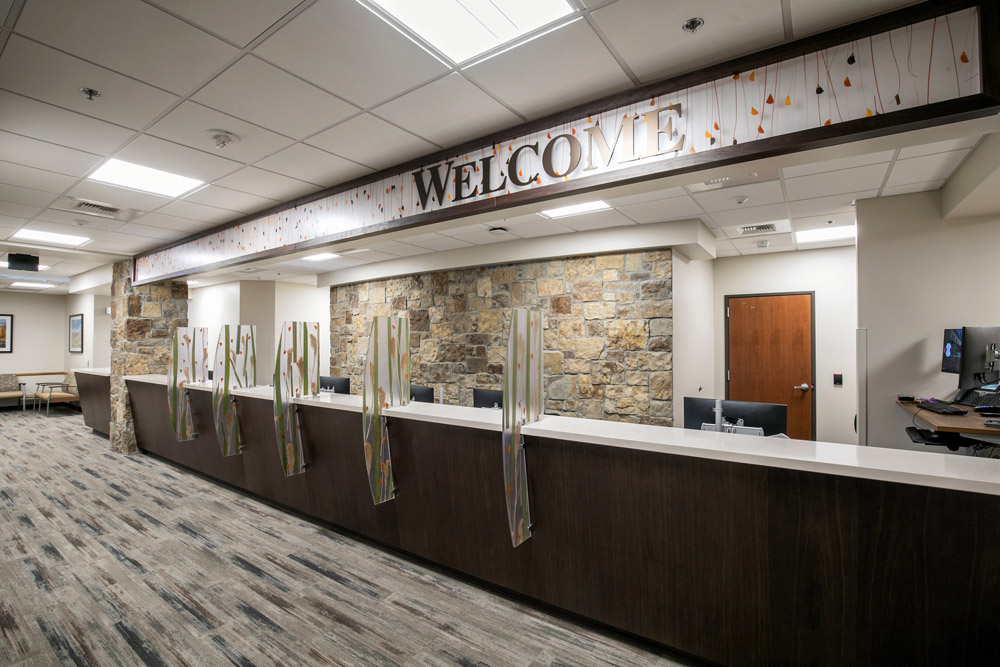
576	209
826	234
464	29
49	237
146	179
322	257
41	267
32	285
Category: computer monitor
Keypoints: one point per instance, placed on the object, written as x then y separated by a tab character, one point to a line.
951	352
338	385
487	398
979	366
771	417
421	394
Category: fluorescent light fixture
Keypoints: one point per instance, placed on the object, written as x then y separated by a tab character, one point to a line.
192	282
576	209
826	234
32	285
147	179
355	251
50	237
41	267
464	29
322	257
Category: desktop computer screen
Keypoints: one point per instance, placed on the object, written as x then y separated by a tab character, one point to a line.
951	353
772	418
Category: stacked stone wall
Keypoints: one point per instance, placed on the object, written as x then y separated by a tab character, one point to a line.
143	320
607	318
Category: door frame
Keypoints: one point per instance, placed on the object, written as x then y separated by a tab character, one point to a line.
812	337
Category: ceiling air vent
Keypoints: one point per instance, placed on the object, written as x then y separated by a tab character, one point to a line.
750	230
97	209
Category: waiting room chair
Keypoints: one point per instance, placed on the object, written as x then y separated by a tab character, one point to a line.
11	389
56	392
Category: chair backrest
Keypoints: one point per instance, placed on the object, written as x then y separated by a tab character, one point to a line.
487	398
339	385
421	394
9	382
70	381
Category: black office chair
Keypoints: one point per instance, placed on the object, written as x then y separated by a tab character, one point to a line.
421	394
487	398
338	385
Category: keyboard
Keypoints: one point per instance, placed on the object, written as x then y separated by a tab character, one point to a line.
942	408
979	398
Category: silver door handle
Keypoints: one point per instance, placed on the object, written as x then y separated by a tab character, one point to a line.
803	387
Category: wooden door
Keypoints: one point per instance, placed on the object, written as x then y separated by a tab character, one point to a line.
769	355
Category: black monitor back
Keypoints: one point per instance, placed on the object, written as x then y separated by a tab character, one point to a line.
974	343
487	398
339	385
421	394
772	417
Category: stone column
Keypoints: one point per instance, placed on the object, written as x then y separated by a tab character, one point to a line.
143	320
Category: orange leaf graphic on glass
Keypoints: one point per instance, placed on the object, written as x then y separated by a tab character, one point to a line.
760	129
788	100
751	76
964	58
847	82
753	111
716	126
770	99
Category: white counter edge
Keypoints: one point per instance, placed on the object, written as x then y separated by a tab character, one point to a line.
92	371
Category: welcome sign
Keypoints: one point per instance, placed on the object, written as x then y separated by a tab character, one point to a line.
909	67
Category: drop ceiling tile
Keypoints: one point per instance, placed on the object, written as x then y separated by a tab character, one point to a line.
186	225
769	249
420	238
661	210
830	204
118	197
26	196
772	239
200	212
92	223
240	22
37	179
133	38
727	253
7	222
913	187
43	121
43	155
596	220
42	73
840	163
934	167
538	227
442	243
345	48
241	89
232	200
751	215
372	141
835	182
313	166
811	16
644	197
724	245
168	156
543	75
267	184
840	219
399	249
374	256
653	44
189	123
939	147
160	233
485	237
448	111
467	229
724	199
19	210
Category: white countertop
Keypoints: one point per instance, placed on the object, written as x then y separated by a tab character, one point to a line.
946	471
260	391
92	371
455	415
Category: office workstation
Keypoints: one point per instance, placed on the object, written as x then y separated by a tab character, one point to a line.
533	368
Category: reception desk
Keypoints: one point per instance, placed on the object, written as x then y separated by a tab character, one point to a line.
734	549
94	386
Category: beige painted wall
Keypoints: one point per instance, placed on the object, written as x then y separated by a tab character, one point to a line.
915	272
213	307
831	274
694	326
40	340
294	302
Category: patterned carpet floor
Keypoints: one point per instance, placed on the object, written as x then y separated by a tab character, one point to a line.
125	560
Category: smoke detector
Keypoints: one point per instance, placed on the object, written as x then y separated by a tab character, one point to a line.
222	138
763	244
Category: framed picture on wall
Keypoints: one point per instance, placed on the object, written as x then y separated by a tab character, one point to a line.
6	333
76	333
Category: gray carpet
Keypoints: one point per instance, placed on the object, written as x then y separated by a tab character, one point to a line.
126	560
